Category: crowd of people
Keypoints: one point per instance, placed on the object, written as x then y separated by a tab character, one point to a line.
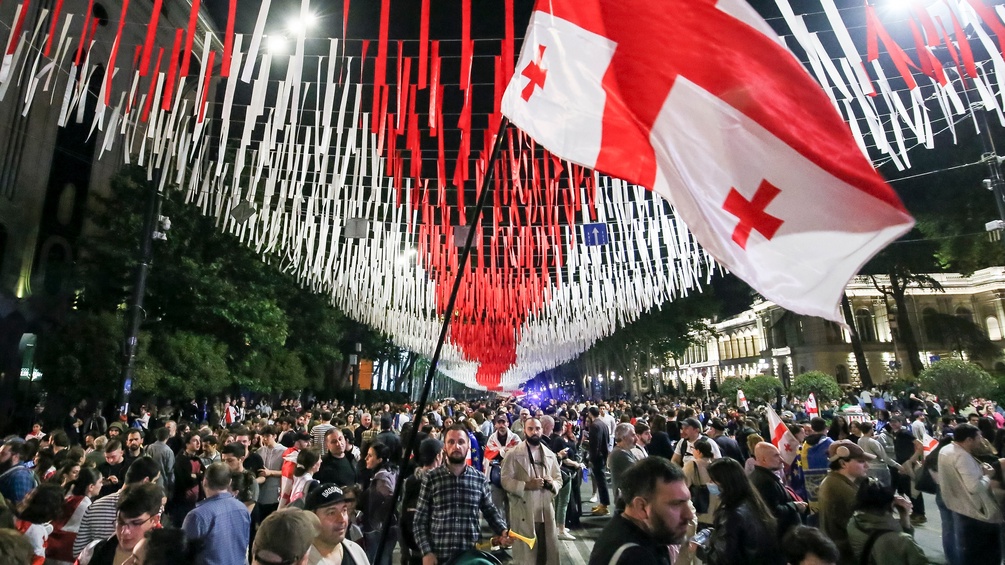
675	481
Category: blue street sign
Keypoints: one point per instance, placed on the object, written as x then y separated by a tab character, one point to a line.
595	235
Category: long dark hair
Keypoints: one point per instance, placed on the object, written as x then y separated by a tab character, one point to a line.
735	489
85	478
383	452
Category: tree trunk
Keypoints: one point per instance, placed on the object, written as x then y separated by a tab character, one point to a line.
904	329
856	344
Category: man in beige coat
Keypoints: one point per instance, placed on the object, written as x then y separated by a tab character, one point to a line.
532	478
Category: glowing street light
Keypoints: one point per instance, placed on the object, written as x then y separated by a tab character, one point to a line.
276	44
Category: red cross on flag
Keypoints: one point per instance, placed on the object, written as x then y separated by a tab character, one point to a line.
783	439
702	103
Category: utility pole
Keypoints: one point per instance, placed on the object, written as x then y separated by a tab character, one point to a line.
150	219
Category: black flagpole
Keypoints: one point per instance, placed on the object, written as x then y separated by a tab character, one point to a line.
461	264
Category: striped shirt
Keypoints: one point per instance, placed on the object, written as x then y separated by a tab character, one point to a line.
447	515
98	522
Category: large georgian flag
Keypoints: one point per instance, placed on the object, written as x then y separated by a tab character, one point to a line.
702	103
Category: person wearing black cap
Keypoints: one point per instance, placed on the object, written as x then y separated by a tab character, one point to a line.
430	456
690	432
727	445
330	503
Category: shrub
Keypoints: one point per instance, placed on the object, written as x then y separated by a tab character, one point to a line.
823	386
956	381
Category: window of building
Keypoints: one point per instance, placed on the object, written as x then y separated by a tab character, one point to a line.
965	314
865	324
929	318
994	328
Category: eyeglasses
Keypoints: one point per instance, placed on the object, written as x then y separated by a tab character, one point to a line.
122	525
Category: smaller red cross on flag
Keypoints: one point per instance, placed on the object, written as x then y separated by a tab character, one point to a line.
535	74
751	213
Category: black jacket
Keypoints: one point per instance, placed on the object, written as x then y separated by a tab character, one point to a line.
340	471
599	438
620	531
777	498
661	445
740	537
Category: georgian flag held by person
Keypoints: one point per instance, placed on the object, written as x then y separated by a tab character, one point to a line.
702	103
782	438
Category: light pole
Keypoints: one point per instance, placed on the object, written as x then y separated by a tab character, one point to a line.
139	292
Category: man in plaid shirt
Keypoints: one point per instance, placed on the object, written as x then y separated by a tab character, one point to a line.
447	515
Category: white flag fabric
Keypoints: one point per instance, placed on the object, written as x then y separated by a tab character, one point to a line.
741	400
703	104
929	443
783	439
811	406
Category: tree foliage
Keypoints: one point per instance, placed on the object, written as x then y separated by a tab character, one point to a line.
656	339
957	381
823	386
217	316
728	388
762	387
962	336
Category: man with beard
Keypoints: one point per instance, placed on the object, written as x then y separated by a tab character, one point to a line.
134	446
496	447
657	513
455	493
532	479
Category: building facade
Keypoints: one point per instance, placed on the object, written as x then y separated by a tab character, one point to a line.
49	175
769	340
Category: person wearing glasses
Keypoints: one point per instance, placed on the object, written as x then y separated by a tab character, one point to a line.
98	522
137	512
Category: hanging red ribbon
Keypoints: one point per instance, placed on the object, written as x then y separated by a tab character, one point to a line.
467	48
52	26
193	19
423	44
345	18
150	90
205	85
18	27
172	71
228	41
380	66
110	71
83	37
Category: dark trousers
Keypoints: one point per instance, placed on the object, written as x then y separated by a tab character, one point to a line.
575	510
903	484
977	543
597	466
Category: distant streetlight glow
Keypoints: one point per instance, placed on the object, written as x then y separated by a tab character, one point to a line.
276	44
299	26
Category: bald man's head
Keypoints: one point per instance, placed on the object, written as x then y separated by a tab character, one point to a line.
768	456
